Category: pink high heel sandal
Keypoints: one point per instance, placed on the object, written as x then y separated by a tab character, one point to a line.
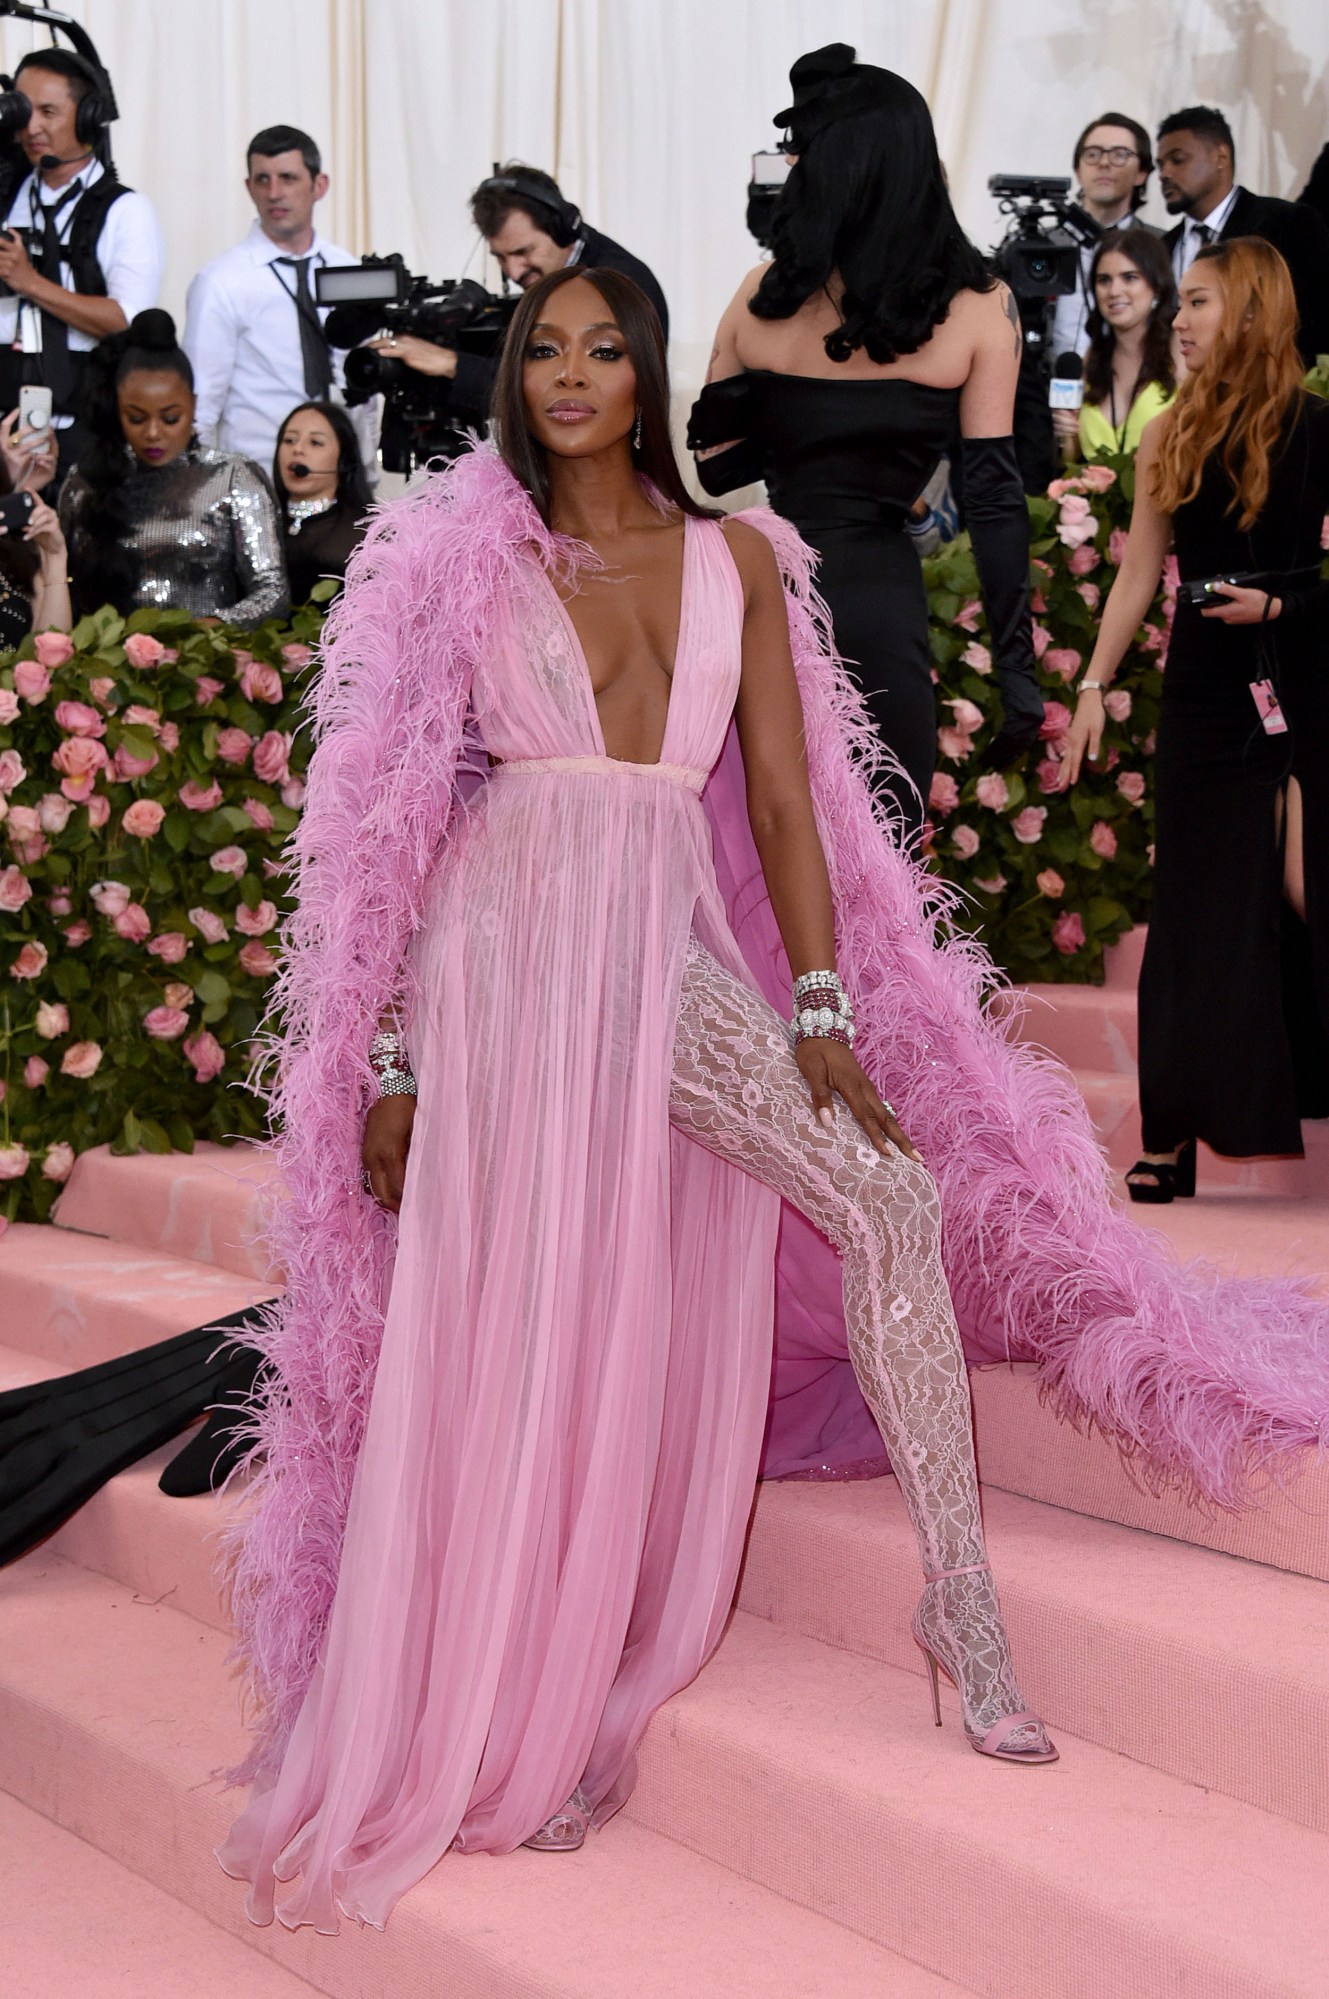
566	1830
995	1741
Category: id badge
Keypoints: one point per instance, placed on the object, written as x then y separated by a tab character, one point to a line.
1272	719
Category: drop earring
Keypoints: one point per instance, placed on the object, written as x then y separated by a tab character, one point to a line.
636	433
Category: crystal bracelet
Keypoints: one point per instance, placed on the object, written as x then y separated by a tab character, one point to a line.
392	1072
823	1010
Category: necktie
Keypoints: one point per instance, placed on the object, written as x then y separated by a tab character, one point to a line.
313	344
56	369
1203	232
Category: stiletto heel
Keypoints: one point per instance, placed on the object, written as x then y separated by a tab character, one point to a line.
996	1740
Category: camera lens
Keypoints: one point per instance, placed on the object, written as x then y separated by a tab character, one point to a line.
1041	270
370	373
15	112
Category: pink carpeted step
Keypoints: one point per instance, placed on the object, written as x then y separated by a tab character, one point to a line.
820	1774
1086	1027
1024	1447
74	1300
112	1713
1122	960
76	1925
205	1206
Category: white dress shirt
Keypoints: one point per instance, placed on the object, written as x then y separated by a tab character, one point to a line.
242	333
1197	230
1070	315
130	251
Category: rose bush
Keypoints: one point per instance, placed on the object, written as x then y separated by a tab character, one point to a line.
150	775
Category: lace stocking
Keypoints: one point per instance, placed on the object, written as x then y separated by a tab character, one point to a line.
738	1091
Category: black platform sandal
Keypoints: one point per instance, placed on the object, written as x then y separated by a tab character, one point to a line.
1166	1182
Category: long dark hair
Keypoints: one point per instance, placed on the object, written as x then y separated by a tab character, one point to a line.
1149	254
352	480
103	561
867	199
639	323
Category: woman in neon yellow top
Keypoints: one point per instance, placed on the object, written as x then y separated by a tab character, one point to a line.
1129	371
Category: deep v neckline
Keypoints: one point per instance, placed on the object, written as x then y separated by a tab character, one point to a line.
680	656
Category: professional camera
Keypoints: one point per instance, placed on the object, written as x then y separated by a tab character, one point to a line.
1039	256
379	295
770	171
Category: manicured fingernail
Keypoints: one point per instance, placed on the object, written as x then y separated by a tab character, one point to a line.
827	1117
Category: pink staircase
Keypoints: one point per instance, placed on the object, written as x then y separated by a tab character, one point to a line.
800	1827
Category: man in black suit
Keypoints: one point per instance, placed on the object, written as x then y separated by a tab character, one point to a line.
1196	175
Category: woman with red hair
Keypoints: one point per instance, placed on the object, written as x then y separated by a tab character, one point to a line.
1234	990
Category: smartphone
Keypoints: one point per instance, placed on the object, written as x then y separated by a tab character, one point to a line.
15	511
34	407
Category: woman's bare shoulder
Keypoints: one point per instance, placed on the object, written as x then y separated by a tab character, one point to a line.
753	555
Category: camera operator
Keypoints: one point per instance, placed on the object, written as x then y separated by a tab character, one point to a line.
1112	164
80	253
531	230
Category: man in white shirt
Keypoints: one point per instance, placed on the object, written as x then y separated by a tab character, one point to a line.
91	255
253	328
1113	161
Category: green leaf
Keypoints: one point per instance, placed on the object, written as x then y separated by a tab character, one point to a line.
213	987
182	1137
154	1136
176	831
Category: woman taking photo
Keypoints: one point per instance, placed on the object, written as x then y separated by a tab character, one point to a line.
840	374
1129	371
150	515
1236	476
323	494
34	583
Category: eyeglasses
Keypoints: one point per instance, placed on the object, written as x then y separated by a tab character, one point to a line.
1116	156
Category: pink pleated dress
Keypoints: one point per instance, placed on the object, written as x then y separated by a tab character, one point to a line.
549	1507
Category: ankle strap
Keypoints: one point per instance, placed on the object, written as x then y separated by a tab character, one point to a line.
974	1569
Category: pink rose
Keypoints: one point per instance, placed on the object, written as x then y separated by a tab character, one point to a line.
1117	702
144	818
25	833
53	648
954	743
968	615
1131	785
1098	477
31	679
142	651
170	654
196	797
206	689
968	715
77	719
13	770
260	683
1083	559
179	995
242	659
78	933
297	654
141	717
257	960
1074	506
1050	883
81	1060
1049	774
943	797
14	1162
8	706
99	809
965	841
271	868
1068	932
1117	546
271	757
1074	534
169	737
165	1023
293	793
257	922
1102	839
170	946
1090	594
977	657
259	814
35	1072
1042	639
52	1019
1064	661
101	689
228	861
58	1163
1027	826
78	759
1056	721
992	791
128	766
109	898
990	884
133	924
1038	604
15	889
1153	639
234	745
59	905
54	811
209	925
207	1055
30	962
1060	486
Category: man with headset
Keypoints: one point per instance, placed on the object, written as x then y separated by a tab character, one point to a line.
91	254
531	230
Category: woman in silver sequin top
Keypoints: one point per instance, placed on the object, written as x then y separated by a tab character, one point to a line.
154	518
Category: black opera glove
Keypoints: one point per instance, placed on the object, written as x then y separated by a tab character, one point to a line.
721	415
997	517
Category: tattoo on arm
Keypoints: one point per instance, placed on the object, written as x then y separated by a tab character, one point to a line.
1013	314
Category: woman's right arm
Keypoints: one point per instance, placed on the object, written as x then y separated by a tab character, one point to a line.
1128	601
725	456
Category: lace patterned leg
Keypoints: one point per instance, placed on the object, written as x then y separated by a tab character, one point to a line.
738	1091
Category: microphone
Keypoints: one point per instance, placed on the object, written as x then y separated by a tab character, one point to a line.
299	471
1066	389
49	160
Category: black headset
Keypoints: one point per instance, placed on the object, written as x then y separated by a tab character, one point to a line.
97	107
564	217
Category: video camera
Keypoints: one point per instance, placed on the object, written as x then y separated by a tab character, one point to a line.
379	295
1039	256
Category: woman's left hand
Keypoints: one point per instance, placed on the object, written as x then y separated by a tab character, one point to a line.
831	1070
1243	607
45	530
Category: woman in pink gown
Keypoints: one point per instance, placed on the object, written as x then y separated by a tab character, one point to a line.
560	1452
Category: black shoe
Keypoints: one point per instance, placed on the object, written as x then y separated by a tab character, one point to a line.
1165	1182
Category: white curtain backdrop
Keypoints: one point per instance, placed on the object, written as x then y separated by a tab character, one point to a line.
647	110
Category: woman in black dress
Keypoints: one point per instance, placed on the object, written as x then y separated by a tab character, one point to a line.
323	494
840	374
1234	990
